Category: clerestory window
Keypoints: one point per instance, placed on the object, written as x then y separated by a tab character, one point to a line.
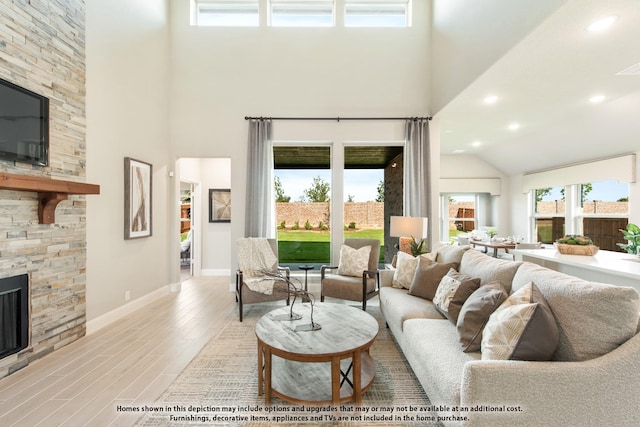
377	13
301	13
227	13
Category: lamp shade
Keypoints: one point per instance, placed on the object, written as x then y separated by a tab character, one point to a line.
408	226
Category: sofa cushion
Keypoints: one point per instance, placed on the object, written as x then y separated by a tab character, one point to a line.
398	306
433	351
522	328
451	253
489	269
427	278
592	318
405	270
452	292
475	313
353	261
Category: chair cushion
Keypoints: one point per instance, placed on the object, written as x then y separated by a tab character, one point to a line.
433	351
475	313
522	328
398	306
427	277
353	261
346	287
452	292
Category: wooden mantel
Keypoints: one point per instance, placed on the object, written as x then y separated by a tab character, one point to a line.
50	191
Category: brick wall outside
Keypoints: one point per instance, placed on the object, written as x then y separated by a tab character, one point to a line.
364	214
42	48
593	207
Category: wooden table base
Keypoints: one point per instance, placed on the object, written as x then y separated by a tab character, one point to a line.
315	383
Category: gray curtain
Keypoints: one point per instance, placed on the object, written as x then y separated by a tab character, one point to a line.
260	208
417	177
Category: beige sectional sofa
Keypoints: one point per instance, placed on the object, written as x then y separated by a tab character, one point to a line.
593	378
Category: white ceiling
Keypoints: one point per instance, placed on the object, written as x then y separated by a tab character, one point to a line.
544	83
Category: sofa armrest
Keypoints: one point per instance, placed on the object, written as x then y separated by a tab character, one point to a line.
601	391
386	277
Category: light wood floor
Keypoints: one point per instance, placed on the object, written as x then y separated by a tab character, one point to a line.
130	362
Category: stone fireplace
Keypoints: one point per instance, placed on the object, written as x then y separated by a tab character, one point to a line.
42	48
14	314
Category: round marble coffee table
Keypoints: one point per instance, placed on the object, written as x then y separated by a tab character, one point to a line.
330	365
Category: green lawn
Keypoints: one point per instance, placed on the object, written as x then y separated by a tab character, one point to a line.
314	246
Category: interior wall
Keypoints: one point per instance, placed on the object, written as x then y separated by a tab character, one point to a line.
221	75
468	166
127	111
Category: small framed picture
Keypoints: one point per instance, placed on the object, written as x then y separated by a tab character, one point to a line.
137	198
219	205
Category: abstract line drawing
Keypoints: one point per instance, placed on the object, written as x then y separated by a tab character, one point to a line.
137	211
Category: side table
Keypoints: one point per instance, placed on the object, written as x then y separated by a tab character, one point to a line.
306	268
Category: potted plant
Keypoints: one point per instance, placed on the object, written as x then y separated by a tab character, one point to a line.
632	235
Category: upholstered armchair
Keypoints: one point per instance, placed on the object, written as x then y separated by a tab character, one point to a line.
357	277
257	256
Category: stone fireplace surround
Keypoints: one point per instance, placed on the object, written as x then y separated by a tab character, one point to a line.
42	48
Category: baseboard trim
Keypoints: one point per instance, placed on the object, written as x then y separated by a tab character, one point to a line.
114	315
215	272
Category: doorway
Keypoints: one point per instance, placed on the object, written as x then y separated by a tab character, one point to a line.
186	229
210	236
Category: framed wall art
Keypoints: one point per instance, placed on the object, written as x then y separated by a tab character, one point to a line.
137	198
219	205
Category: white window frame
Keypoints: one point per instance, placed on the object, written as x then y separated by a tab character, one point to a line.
445	219
533	215
301	6
237	8
376	8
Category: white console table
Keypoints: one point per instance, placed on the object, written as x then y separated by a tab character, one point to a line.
606	266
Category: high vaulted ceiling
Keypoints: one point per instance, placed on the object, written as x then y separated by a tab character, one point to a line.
544	84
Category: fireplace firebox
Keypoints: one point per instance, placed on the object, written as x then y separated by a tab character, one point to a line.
14	314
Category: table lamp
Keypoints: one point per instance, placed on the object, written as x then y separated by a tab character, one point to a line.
409	229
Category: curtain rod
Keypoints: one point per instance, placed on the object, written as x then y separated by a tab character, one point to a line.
337	119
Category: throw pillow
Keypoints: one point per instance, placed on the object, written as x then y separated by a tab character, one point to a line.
475	313
453	290
427	277
522	328
353	261
405	269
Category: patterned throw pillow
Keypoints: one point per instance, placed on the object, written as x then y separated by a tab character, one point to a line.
452	292
475	313
405	269
353	261
522	328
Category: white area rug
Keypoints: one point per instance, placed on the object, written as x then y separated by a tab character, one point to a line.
219	387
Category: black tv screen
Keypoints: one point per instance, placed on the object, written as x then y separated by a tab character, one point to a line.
24	125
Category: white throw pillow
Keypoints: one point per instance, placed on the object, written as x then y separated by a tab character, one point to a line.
353	261
405	270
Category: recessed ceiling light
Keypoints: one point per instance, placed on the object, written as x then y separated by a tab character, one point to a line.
491	99
476	143
458	151
514	126
596	99
602	24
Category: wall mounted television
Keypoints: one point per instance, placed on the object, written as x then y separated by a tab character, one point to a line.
24	125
